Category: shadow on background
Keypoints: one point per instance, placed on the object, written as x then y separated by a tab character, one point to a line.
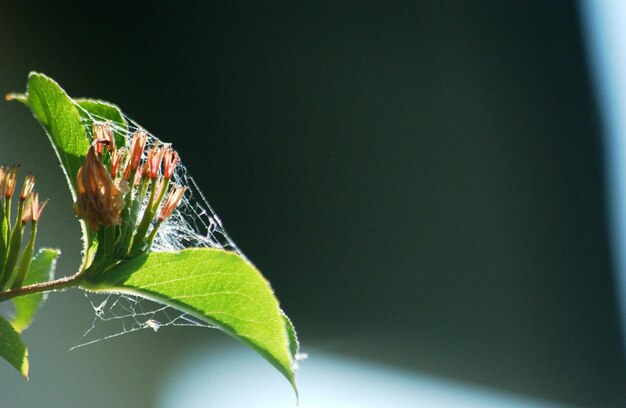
422	184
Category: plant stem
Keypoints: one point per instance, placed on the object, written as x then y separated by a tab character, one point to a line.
56	284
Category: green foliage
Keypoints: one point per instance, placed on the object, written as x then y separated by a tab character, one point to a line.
59	116
12	348
294	344
219	287
216	286
41	270
93	108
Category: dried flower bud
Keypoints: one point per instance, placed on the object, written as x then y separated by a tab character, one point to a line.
126	172
2	175
137	146
170	160
153	162
27	187
117	158
10	178
27	215
122	185
137	178
32	209
172	201
99	201
102	131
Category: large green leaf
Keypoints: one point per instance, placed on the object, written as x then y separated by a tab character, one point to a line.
41	270
216	286
12	348
58	114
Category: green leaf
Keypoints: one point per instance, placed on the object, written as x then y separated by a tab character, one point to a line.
60	118
294	344
12	348
91	109
41	270
216	286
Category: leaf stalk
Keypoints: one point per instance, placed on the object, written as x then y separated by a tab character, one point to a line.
52	285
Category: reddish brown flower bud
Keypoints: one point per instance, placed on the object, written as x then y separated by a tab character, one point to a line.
27	187
137	178
151	166
170	160
99	201
137	146
172	201
32	209
117	159
10	178
2	174
102	131
126	172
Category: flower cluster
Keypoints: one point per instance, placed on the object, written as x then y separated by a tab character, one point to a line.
120	191
15	262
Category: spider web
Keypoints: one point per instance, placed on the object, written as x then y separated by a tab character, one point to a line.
192	224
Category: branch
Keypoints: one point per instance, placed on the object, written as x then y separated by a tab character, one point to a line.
41	287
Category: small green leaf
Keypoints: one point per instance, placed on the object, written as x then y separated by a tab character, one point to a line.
216	286
41	270
91	109
59	116
12	348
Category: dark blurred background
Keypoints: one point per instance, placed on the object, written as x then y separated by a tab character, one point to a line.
422	182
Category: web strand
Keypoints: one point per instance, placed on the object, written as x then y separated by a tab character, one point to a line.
192	224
